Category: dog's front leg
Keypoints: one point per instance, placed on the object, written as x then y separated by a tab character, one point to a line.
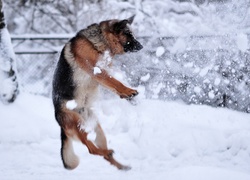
103	78
114	85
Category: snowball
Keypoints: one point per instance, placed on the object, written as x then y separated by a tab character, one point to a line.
97	70
228	63
145	78
189	65
217	81
160	51
211	94
173	90
89	126
178	82
226	81
197	70
204	71
197	89
206	81
242	42
71	104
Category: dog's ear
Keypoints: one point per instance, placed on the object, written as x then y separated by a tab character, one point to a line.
119	26
131	19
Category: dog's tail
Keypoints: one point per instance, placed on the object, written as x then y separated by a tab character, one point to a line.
69	158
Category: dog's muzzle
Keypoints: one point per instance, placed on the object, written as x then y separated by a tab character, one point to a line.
133	46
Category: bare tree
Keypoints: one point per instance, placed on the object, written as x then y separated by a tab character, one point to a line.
8	80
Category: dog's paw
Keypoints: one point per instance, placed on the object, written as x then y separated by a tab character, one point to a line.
130	97
129	94
125	168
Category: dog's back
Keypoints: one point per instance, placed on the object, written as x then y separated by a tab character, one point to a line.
70	81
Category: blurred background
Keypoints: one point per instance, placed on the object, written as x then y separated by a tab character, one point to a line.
196	51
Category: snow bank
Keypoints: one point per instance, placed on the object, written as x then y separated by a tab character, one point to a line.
160	140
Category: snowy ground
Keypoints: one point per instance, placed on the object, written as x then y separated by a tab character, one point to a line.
160	140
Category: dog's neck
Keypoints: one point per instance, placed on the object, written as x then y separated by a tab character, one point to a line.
94	34
101	38
113	44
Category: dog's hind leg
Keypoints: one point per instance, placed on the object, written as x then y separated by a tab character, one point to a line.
70	160
74	130
101	142
82	135
112	161
100	139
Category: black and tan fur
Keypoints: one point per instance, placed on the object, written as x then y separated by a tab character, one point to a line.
75	79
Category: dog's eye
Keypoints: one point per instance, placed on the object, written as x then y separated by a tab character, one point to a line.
126	32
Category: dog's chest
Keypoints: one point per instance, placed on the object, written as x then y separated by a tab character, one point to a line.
85	88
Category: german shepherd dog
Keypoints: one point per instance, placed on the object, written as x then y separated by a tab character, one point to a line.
83	66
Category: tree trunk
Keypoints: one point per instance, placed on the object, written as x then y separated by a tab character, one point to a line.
8	80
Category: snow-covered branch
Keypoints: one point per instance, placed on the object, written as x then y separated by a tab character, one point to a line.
8	79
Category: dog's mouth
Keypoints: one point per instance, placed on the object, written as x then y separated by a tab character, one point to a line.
133	46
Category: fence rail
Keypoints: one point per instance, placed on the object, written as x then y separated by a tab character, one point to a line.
36	52
28	39
41	37
18	40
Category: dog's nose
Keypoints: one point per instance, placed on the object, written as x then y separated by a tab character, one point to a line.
138	46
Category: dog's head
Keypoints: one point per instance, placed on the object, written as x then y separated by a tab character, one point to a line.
126	38
120	36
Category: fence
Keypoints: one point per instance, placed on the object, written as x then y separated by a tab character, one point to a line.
36	58
211	70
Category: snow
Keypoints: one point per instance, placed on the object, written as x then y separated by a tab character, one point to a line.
6	51
211	94
242	42
145	78
160	51
7	87
107	57
217	81
181	40
157	88
204	71
8	84
89	127
71	104
104	63
197	89
160	140
179	46
164	18
97	70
